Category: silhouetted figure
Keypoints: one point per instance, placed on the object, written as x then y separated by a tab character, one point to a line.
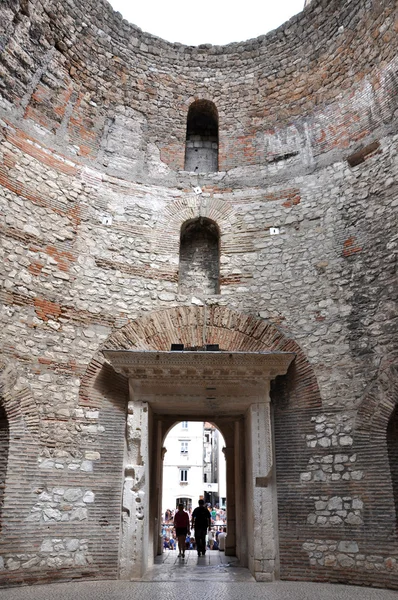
201	522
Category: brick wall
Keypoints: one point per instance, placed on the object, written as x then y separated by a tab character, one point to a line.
4	444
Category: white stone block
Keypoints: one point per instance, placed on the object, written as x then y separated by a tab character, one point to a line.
89	497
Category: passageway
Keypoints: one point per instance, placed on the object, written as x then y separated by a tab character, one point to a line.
214	565
232	390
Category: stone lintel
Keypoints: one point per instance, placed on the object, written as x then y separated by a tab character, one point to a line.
144	365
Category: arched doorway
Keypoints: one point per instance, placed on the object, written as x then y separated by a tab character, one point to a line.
198	491
232	390
237	334
193	465
193	469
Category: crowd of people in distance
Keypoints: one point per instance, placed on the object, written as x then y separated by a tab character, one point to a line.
215	537
218	516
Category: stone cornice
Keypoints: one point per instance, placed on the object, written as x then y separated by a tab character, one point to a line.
144	365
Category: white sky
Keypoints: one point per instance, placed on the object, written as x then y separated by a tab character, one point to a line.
207	21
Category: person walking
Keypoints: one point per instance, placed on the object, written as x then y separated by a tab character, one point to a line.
181	524
201	522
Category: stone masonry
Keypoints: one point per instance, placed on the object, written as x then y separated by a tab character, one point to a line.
93	201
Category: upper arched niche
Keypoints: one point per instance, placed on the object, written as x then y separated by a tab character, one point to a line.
201	150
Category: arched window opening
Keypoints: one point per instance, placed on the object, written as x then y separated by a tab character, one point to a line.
199	258
201	150
392	445
204	473
4	444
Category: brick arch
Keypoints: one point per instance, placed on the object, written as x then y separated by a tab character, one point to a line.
204	95
379	402
216	209
296	396
377	447
194	326
19	431
20	407
192	207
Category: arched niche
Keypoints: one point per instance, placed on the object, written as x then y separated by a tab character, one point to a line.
201	150
199	268
4	446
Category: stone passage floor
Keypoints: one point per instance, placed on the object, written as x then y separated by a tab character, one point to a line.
214	566
211	577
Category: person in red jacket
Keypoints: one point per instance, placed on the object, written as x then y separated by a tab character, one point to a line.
181	524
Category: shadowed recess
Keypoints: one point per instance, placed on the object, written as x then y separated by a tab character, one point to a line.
199	258
4	445
201	152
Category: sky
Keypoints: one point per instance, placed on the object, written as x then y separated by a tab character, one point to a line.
207	21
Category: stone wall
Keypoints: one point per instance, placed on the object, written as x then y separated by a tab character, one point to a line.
311	89
201	155
93	197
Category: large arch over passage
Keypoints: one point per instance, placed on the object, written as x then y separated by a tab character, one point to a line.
376	442
297	393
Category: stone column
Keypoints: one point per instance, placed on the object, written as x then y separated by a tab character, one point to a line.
261	500
135	513
160	537
240	493
230	542
155	545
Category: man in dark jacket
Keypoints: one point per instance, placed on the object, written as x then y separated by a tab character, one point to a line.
201	522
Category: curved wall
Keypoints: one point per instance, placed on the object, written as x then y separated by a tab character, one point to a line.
324	81
93	123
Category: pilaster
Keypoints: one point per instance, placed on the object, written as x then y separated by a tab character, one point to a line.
134	543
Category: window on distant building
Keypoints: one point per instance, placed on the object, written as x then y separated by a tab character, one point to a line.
184	448
184	475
